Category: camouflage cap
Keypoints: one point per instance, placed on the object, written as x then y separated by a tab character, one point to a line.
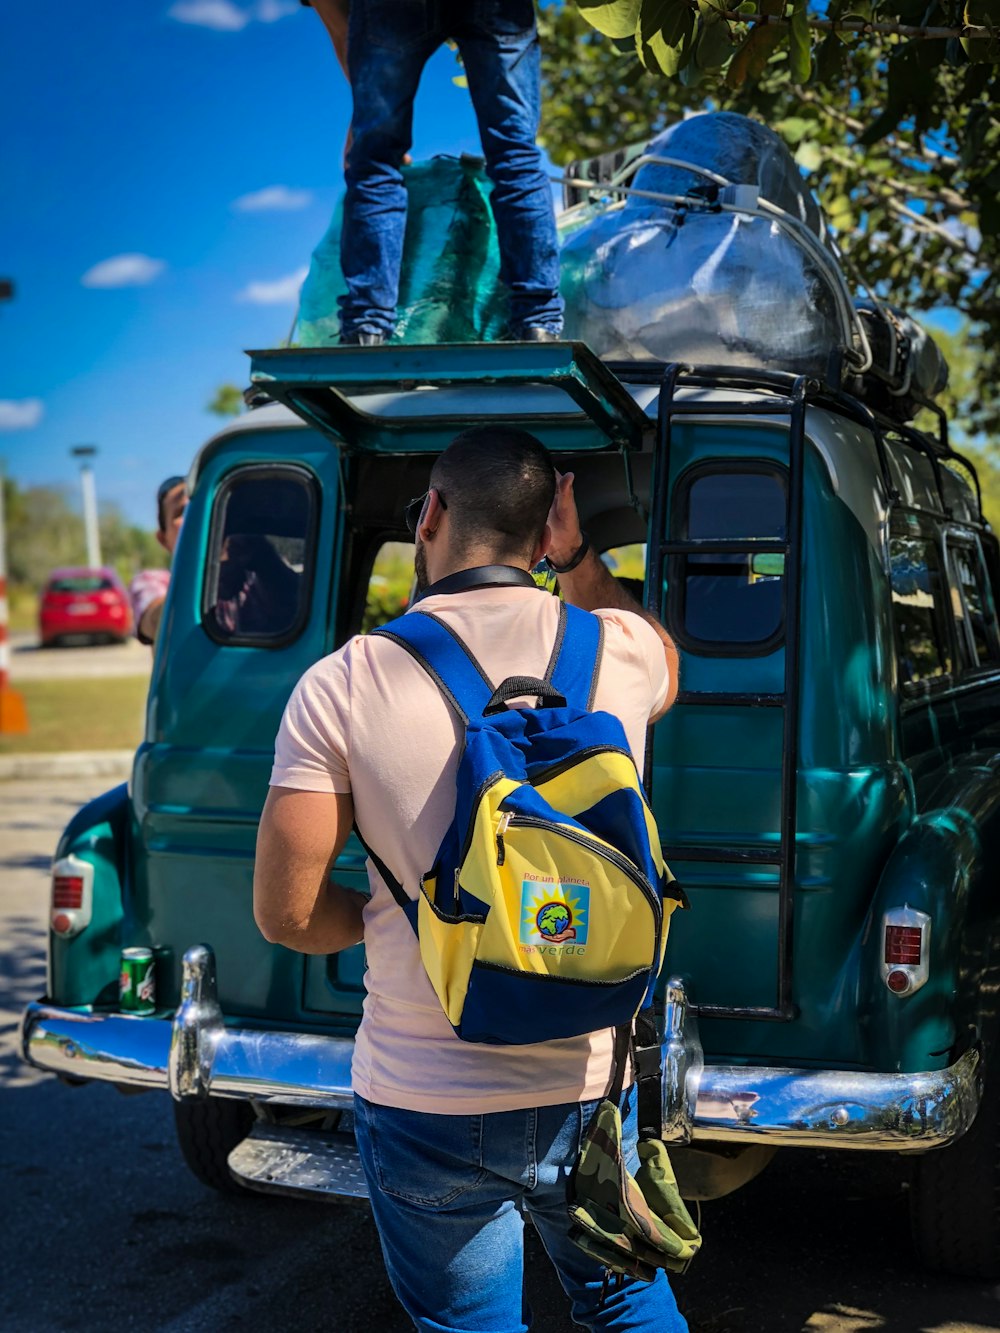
630	1224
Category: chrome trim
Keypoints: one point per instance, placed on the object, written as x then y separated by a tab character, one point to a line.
838	1108
681	1063
197	1027
197	1055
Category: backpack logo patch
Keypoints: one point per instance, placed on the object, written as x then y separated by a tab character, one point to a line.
554	915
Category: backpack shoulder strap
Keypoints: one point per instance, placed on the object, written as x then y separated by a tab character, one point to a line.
445	658
576	657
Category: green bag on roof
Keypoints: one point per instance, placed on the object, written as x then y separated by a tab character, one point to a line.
449	281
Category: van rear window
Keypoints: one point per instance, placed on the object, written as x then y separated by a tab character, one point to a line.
728	596
81	583
261	549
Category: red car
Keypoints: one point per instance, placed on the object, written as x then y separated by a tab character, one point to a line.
84	602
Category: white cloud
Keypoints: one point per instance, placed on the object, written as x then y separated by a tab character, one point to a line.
226	16
273	198
123	271
20	413
283	291
269	11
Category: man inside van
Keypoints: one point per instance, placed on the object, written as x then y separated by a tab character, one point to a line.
383	46
458	1141
148	590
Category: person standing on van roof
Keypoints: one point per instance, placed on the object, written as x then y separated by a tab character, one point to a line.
383	46
457	1140
148	590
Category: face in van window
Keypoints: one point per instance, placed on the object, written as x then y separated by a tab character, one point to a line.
257	591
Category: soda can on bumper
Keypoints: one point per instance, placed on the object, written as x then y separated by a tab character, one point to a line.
137	982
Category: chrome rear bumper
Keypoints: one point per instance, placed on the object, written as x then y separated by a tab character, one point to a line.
196	1055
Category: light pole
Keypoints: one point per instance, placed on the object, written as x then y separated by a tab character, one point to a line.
85	452
13	716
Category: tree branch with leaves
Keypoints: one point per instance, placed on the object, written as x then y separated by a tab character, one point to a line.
891	109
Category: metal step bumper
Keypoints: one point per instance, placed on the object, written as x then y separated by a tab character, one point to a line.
275	1159
196	1055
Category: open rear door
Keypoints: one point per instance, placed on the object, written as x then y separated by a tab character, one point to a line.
398	399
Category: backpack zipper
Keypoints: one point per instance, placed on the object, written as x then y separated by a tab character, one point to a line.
505	819
611	854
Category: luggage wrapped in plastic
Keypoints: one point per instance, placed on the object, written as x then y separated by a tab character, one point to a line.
648	279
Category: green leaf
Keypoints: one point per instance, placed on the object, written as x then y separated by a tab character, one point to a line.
830	59
799	42
809	156
982	14
664	35
793	129
615	18
714	46
840	211
751	59
711	10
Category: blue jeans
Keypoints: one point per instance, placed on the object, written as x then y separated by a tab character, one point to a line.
389	42
449	1194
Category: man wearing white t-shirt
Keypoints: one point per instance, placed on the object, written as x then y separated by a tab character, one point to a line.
458	1141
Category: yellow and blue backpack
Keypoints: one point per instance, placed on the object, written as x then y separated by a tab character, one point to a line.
545	913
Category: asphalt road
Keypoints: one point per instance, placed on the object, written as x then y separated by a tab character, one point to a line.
30	661
101	1227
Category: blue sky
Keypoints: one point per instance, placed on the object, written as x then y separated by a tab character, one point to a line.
132	131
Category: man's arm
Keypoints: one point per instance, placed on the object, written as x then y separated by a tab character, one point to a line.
149	622
301	834
591	585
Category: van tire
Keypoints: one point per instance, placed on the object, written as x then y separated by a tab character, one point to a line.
955	1198
207	1132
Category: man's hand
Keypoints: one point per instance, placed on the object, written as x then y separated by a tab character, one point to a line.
301	834
591	585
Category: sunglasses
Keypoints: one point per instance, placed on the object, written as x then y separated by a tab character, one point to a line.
415	508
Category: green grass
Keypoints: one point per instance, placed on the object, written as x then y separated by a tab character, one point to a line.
86	714
23	606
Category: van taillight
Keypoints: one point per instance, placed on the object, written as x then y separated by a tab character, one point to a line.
905	961
67	890
902	944
72	897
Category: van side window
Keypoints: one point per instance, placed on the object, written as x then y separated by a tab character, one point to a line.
389	585
975	618
261	550
919	607
730	597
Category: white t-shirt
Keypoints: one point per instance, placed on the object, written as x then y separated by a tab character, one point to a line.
370	721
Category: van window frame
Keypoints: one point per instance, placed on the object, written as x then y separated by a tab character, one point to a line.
960	538
675	604
260	471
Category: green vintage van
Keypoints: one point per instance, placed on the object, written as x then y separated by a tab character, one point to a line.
827	785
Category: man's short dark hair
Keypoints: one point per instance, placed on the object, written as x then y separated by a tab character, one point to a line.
498	483
163	491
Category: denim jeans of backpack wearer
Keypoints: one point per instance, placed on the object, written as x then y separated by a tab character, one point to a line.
449	1194
389	43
